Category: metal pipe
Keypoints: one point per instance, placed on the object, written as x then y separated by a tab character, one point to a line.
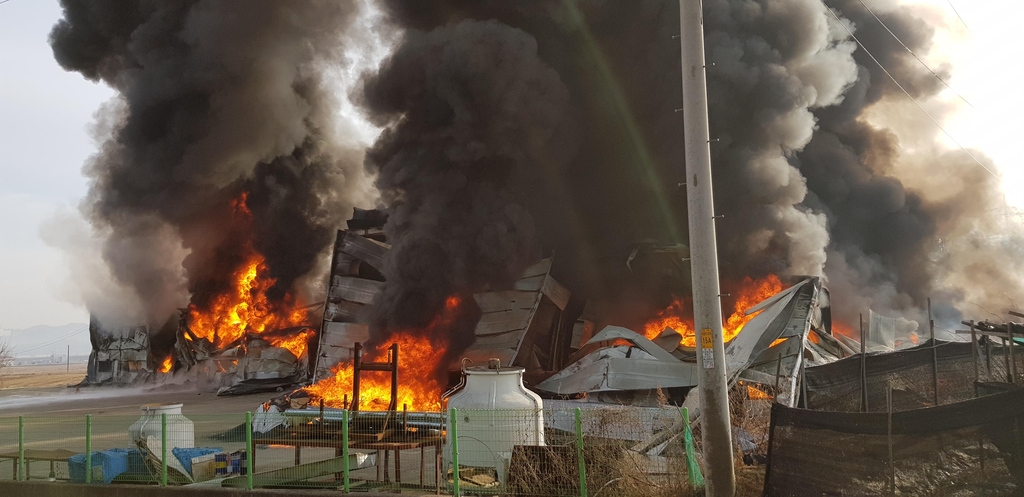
1006	361
579	454
88	448
863	367
1013	363
356	368
249	453
974	356
892	466
453	424
394	377
21	449
988	358
163	449
935	354
778	373
330	414
344	451
803	384
707	306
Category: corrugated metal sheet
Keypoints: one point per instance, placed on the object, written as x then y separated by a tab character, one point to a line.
507	316
619	368
369	251
353	289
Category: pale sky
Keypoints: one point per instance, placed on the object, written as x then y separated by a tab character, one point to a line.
45	115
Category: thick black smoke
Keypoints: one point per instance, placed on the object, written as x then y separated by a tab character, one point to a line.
216	99
469	110
806	185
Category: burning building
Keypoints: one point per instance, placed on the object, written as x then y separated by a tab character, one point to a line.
524	326
507	131
771	336
120	355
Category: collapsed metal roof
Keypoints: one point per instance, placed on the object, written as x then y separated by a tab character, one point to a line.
792	329
519	326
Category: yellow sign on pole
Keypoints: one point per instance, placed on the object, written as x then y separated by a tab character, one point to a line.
707	348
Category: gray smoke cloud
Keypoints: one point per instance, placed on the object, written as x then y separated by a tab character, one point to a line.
215	99
468	110
806	184
910	218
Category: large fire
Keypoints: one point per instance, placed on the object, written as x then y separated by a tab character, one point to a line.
228	317
418	385
675	317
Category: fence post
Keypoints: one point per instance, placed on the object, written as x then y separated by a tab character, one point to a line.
935	354
579	453
163	449
88	448
974	357
344	450
248	451
21	448
892	465
692	468
1013	363
863	367
453	424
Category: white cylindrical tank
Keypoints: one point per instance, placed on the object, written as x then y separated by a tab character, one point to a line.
180	430
494	413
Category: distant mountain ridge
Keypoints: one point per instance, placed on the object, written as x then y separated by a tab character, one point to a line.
49	340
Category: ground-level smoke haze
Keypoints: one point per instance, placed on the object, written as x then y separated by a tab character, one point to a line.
218	102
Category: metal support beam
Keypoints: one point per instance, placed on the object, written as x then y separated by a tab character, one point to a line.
935	354
863	367
707	307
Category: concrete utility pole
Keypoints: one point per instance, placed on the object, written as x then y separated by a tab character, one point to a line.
716	430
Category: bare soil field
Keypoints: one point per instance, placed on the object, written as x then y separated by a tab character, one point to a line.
51	375
40	390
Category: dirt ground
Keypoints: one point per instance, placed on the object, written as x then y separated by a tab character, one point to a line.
44	390
51	375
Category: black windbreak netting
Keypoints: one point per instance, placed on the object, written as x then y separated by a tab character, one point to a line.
973	447
837	386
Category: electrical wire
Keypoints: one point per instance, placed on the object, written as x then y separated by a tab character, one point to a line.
61	339
914	54
905	92
950	2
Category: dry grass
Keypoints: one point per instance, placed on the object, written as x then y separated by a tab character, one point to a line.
55	375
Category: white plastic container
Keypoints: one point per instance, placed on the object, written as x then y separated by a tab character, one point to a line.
495	412
180	430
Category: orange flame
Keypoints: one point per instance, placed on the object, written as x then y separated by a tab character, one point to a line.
418	386
672	317
246	309
296	344
840	328
165	367
751	293
757	394
914	339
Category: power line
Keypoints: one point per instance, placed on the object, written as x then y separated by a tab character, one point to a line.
61	339
904	90
914	54
950	2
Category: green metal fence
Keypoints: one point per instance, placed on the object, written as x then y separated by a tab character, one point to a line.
558	452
